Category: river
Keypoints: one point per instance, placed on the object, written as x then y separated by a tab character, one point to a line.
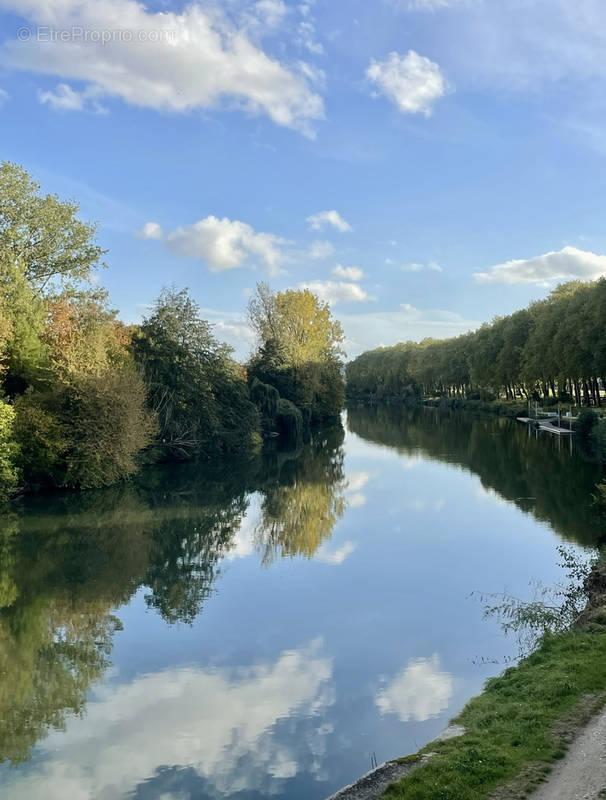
267	628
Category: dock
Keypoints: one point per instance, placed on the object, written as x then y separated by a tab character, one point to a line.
543	425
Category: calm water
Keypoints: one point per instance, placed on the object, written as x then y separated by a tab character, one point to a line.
261	629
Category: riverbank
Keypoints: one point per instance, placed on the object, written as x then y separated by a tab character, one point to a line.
502	408
522	723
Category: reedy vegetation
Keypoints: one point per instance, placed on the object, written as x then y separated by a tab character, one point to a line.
85	398
553	349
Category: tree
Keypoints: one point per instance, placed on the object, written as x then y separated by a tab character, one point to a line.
8	453
198	393
299	350
40	234
86	423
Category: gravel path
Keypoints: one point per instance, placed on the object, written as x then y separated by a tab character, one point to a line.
581	775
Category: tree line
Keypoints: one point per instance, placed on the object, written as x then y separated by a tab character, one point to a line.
555	349
86	399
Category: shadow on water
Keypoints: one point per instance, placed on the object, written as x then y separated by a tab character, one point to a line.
67	560
544	475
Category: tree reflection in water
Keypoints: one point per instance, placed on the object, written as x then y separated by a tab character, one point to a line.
66	561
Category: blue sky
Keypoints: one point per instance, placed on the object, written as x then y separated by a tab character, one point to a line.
422	164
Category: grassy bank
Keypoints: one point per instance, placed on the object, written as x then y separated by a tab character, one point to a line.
522	722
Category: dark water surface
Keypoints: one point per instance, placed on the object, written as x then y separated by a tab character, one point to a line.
262	629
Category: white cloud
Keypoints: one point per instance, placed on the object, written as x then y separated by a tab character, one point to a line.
319	250
225	244
432	266
355	483
568	263
327	556
348	273
306	31
323	218
357	480
412	82
168	61
64	98
233	328
271	12
4	95
334	292
217	722
151	230
419	692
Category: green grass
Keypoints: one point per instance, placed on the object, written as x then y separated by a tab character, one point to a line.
518	726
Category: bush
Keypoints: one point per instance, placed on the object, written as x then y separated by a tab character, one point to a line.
41	436
8	452
266	398
87	433
585	423
289	420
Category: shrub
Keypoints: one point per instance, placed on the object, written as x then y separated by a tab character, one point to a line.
585	423
289	420
8	452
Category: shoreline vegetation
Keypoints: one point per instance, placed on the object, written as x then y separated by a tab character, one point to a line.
525	718
553	351
86	399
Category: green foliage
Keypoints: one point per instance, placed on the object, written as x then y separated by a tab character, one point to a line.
8	453
552	351
90	394
23	354
299	350
526	717
554	609
71	558
86	433
197	391
537	477
289	420
266	399
585	423
518	727
41	234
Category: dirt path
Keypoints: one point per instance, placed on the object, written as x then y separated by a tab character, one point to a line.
581	775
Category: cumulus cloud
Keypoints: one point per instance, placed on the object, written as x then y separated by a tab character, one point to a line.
168	61
333	292
217	722
348	273
432	266
151	230
412	82
225	244
566	264
331	218
421	691
3	97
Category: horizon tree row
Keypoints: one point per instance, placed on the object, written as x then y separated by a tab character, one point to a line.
555	349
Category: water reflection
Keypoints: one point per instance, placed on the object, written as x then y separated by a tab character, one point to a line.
66	561
421	691
324	574
538	475
213	728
